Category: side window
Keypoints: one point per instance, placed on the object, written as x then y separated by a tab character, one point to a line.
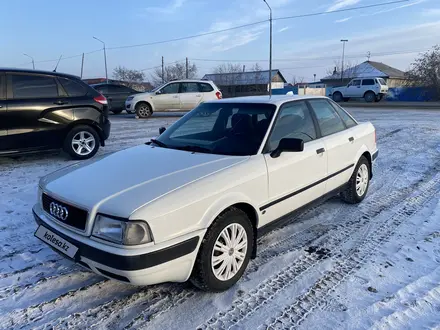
114	89
356	83
368	82
189	87
170	89
349	122
328	120
294	121
101	89
72	87
205	88
30	86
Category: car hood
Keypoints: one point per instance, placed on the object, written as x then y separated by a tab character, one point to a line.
119	183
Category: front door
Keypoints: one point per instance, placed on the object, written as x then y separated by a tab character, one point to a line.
340	145
167	98
117	94
190	95
30	98
295	178
3	114
353	89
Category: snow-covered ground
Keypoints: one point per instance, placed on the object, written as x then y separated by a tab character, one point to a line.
336	266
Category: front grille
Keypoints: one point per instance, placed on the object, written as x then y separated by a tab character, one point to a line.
76	217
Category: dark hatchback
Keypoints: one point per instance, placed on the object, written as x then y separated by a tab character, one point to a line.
116	95
42	110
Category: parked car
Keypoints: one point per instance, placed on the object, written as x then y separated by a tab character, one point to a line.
178	95
116	95
371	89
213	186
42	110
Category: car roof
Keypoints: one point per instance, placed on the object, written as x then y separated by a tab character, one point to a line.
274	99
58	74
105	84
191	80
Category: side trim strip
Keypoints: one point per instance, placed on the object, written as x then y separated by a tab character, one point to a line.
304	189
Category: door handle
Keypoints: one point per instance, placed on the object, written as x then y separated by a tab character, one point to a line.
320	151
198	95
60	102
175	97
351	139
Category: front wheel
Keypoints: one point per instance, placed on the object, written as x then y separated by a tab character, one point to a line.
369	97
359	183
82	142
225	252
143	110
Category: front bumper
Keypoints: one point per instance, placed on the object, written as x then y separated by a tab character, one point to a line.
172	263
129	106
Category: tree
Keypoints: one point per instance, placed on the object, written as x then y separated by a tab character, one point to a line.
425	71
349	67
173	72
130	78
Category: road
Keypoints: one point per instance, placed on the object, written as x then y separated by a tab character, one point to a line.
372	265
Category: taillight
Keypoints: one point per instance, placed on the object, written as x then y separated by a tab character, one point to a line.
219	95
101	99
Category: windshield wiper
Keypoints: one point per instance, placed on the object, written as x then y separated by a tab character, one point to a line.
194	149
159	143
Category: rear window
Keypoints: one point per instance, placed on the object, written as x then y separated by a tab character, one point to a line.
30	86
367	82
72	87
205	88
349	122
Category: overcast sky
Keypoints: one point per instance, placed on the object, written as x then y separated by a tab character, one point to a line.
302	47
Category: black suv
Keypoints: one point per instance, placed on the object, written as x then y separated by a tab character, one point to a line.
42	110
116	95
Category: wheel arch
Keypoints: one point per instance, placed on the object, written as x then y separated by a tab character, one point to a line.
144	101
363	151
85	122
369	91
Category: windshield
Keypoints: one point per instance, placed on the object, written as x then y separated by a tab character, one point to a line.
157	88
381	81
220	128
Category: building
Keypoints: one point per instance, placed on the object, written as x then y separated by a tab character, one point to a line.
394	77
246	83
141	87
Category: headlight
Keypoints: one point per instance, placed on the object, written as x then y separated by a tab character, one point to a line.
122	232
130	98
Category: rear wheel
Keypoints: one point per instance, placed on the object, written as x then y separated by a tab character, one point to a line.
225	252
82	142
116	111
369	97
359	183
143	110
337	97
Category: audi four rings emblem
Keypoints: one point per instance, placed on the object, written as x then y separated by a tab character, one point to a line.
58	211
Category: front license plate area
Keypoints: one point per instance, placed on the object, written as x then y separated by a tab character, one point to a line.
56	242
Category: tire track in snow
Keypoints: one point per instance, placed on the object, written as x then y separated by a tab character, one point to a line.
346	265
255	299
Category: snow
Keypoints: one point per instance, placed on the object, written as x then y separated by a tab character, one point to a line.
336	266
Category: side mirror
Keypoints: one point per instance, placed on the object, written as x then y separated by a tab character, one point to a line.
289	145
158	92
161	130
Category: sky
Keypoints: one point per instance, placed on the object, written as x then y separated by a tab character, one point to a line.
302	47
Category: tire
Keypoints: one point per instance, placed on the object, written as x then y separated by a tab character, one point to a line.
116	111
378	98
353	195
369	97
143	110
203	275
76	144
337	97
346	99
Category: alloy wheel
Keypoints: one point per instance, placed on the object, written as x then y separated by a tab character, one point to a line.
362	180
83	143
229	252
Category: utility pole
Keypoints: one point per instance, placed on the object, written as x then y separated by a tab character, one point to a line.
82	65
187	68
105	58
343	57
244	68
33	62
163	75
314	77
270	49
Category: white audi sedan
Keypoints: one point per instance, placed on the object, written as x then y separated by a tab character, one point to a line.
198	197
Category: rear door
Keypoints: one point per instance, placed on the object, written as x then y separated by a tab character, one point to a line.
367	85
353	90
167	98
3	113
190	95
208	92
37	111
339	141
